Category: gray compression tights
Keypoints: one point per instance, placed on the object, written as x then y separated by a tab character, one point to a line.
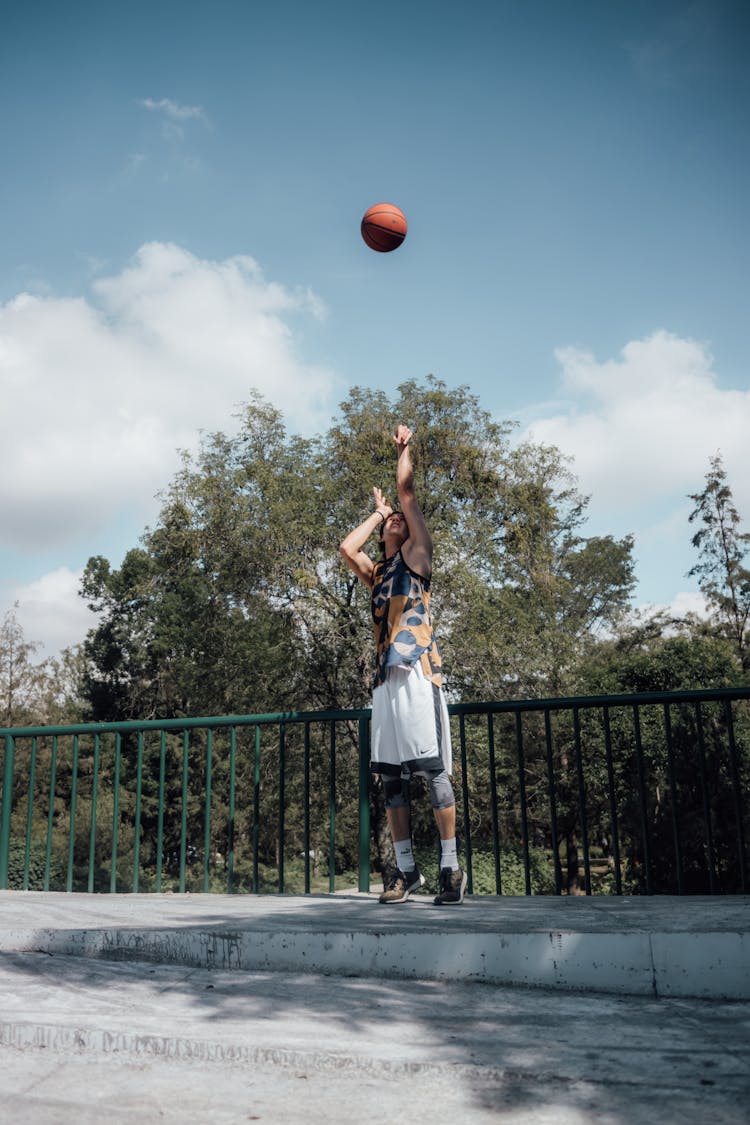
441	791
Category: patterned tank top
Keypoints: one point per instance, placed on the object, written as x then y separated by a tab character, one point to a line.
401	613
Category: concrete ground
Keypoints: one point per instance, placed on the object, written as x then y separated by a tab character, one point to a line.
87	1033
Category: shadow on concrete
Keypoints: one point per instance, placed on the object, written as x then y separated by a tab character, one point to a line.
614	1058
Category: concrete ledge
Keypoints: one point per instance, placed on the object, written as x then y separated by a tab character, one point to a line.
535	943
617	963
702	965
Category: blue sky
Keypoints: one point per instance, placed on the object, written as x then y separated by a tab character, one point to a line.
179	220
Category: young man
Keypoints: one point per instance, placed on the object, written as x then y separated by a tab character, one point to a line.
410	731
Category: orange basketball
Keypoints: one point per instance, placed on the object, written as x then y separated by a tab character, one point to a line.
384	227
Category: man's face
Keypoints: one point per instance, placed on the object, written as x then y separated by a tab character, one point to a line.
395	529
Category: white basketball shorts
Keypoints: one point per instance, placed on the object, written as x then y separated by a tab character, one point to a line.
410	725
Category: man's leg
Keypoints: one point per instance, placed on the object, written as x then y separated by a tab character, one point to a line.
452	878
399	822
446	822
407	877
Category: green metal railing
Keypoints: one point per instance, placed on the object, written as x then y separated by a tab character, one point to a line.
647	792
112	737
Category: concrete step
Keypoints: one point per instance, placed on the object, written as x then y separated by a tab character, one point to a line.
658	947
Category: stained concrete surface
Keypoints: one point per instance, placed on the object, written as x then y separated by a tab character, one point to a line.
85	1038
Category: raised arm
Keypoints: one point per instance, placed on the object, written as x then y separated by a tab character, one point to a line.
351	547
417	550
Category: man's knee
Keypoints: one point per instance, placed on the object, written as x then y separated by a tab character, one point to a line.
441	790
396	790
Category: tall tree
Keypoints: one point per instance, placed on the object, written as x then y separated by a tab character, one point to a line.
237	601
19	677
34	692
722	549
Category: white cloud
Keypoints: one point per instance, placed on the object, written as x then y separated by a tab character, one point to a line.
641	429
174	116
174	110
97	394
51	613
683	604
643	426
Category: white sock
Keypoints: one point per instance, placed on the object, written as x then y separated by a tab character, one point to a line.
404	856
449	854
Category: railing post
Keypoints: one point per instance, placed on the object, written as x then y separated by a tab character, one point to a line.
645	843
183	814
306	806
522	798
364	804
29	814
282	799
332	811
232	793
256	809
612	801
737	788
7	798
73	806
207	811
115	813
673	796
160	811
465	801
92	823
552	802
710	852
50	811
493	810
137	827
582	800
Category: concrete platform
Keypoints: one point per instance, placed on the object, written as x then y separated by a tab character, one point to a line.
667	946
212	1009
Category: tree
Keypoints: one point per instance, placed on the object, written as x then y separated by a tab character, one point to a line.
18	676
556	588
237	601
683	778
722	548
34	692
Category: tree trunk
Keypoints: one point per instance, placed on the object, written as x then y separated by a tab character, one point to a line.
572	870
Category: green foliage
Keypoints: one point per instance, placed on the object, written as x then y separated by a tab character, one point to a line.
236	601
33	692
37	859
512	870
722	548
645	658
681	776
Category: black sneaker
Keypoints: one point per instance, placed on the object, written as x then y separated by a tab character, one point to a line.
452	887
401	885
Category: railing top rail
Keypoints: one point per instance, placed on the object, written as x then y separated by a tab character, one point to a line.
705	695
202	722
480	708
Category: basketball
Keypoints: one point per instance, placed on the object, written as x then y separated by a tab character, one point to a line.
384	227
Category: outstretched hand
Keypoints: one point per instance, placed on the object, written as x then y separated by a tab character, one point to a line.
402	437
381	504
